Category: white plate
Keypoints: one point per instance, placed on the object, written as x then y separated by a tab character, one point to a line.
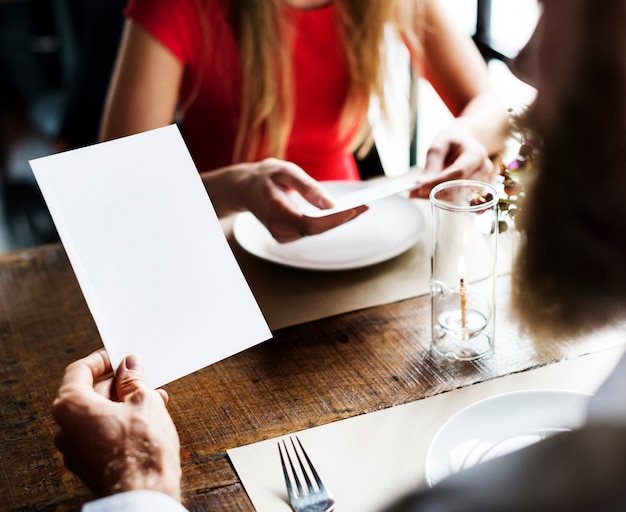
501	424
391	226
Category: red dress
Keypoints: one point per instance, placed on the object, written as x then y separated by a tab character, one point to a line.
212	78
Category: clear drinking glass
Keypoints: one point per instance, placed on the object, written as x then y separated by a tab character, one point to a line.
463	268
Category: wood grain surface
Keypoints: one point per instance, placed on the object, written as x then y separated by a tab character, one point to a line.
307	375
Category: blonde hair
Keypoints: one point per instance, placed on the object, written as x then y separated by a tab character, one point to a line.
570	273
267	95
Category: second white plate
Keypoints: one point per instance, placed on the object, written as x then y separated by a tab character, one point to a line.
390	227
499	425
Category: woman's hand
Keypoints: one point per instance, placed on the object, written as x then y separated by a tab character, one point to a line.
455	68
116	433
454	154
263	188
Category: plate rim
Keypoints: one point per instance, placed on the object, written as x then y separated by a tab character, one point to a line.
480	403
397	251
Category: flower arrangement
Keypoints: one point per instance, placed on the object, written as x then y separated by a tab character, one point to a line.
515	173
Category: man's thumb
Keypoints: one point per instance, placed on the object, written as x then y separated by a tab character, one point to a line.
131	378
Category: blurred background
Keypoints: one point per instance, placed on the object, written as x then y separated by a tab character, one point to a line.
55	62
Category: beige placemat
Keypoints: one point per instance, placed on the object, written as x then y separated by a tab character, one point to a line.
369	460
289	296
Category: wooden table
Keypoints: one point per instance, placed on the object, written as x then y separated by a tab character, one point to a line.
307	375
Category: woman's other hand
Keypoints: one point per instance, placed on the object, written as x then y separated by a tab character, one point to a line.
455	68
454	154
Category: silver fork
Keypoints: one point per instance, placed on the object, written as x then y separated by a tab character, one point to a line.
315	498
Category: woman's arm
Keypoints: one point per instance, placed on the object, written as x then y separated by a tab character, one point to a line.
143	93
452	64
457	71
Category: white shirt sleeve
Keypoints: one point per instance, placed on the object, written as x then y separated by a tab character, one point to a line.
135	501
608	405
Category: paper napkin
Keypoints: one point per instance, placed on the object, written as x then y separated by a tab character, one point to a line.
377	189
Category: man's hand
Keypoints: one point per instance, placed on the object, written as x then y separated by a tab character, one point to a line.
115	432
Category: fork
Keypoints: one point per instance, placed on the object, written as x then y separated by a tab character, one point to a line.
315	498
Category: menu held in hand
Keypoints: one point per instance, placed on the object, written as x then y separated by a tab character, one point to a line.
149	253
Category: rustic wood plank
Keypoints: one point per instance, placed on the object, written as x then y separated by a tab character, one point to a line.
307	375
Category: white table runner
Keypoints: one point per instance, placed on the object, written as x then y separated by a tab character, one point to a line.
369	460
